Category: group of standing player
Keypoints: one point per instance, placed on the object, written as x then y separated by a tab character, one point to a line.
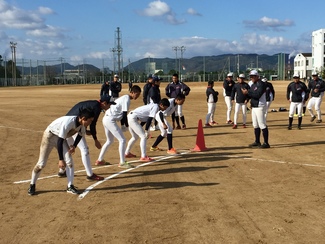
259	92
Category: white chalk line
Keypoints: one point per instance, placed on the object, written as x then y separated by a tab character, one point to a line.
15	128
77	171
283	162
273	161
89	188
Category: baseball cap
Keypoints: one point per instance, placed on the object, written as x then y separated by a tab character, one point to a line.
253	72
241	76
314	73
150	76
230	74
116	76
107	98
156	78
264	80
296	75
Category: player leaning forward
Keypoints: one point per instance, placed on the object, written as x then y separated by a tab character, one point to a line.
258	103
112	115
56	135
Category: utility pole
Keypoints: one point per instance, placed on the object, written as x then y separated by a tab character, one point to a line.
13	66
182	48
118	50
176	49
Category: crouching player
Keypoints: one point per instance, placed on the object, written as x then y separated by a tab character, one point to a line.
56	135
165	128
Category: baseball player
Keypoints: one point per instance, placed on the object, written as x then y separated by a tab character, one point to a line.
146	89
97	106
115	87
228	84
316	87
56	135
172	90
270	95
143	114
258	104
212	99
165	128
297	95
240	99
154	97
104	90
112	115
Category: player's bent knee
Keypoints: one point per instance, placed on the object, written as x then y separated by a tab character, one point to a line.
37	169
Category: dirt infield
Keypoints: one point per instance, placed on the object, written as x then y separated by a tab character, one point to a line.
228	194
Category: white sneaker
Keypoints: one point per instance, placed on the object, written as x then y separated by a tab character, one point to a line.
152	128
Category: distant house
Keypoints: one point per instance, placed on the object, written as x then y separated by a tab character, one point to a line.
303	64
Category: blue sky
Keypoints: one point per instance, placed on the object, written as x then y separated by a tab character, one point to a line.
84	31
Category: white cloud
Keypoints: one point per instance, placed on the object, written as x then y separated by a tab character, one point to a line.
159	10
192	11
47	31
45	10
266	23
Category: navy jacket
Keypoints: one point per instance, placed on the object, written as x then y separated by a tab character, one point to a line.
92	104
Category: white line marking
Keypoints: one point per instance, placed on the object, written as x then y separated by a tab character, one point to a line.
15	128
89	188
283	162
78	171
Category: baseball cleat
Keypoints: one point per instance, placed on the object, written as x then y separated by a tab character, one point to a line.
265	145
255	144
130	155
125	165
71	189
31	190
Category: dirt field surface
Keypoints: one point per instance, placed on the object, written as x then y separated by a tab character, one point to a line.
227	194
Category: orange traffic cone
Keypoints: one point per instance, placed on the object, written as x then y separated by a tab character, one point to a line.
200	143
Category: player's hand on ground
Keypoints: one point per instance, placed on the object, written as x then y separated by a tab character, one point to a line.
98	144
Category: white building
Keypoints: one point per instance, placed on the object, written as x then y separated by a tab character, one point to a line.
303	64
318	50
306	63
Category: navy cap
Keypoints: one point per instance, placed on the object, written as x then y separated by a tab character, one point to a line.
107	98
156	78
150	76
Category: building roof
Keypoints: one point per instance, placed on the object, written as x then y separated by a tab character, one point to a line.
306	54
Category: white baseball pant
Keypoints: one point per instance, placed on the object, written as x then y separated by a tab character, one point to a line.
243	107
136	131
49	141
315	101
112	130
229	106
258	117
210	115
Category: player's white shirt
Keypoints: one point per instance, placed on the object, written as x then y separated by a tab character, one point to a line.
65	127
116	111
146	111
171	108
250	83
